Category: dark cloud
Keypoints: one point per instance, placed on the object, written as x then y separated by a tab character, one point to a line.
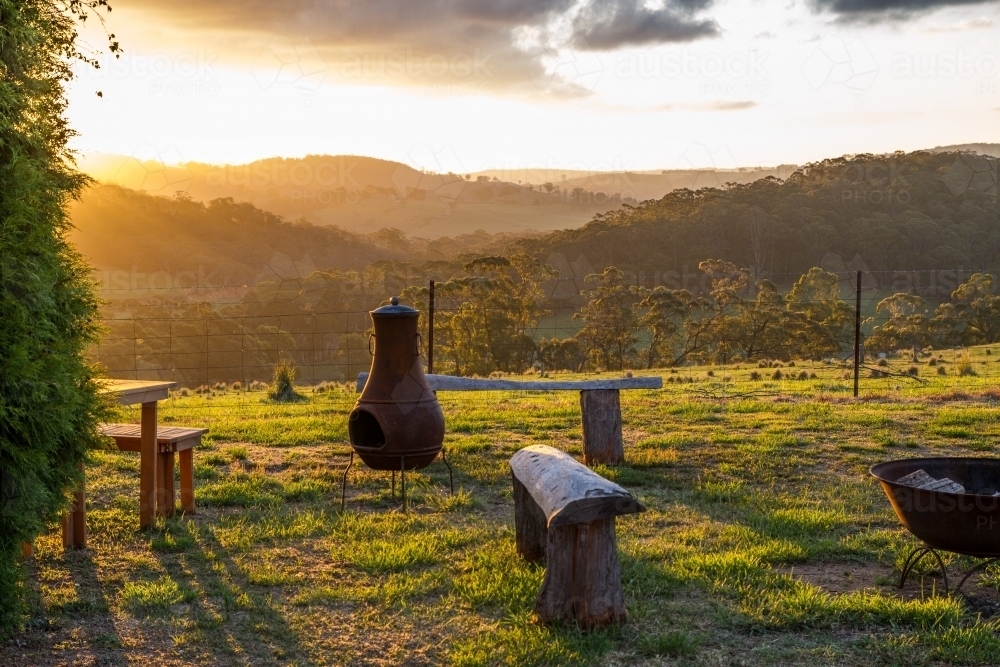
876	10
610	24
493	45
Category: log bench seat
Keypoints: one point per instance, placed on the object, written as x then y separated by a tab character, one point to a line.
565	514
600	405
170	441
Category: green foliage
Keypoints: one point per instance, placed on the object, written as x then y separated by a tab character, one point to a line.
970	317
49	398
487	316
610	320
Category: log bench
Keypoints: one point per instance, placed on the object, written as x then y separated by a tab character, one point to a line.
600	405
170	441
565	514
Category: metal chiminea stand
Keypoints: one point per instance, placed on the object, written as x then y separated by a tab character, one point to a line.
397	423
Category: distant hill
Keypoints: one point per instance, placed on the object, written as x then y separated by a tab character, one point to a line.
993	150
363	194
142	244
640	185
888	215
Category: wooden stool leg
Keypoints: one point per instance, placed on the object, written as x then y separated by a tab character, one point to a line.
148	479
67	529
187	480
166	501
74	523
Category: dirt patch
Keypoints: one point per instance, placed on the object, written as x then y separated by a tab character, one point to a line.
843	577
850	577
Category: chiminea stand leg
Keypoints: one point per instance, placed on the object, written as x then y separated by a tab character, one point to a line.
343	486
393	492
402	480
451	479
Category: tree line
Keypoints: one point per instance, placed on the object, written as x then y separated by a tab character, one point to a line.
487	320
901	211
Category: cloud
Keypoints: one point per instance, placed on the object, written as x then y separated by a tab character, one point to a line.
712	105
974	24
606	25
488	45
885	10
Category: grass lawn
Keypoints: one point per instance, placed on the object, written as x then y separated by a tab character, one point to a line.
765	541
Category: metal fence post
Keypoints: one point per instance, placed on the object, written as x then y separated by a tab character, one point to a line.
430	330
857	335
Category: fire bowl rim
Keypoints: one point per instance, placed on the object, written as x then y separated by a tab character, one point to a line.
932	459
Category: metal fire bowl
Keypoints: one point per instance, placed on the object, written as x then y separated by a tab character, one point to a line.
963	523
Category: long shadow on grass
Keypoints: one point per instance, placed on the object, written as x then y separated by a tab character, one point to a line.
238	624
90	611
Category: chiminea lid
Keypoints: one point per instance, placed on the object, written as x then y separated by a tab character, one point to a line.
394	309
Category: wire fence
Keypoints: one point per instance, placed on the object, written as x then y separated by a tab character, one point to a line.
217	347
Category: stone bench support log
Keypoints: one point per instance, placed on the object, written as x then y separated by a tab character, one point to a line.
565	514
600	405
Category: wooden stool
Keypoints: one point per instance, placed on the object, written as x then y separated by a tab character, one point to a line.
565	513
170	440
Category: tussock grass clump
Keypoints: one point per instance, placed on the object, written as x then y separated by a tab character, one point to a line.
151	596
965	368
675	644
282	386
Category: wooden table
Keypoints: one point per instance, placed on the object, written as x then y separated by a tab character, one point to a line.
152	489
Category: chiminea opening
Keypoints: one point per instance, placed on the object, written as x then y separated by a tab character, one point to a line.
364	430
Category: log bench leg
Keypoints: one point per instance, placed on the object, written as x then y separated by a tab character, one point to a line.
531	533
186	457
582	576
601	412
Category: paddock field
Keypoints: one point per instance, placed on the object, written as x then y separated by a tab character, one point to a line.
766	541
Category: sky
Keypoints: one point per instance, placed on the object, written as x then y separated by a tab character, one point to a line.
597	85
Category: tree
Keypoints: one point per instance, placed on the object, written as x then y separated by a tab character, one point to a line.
610	321
666	312
977	309
488	315
816	294
566	354
50	399
906	324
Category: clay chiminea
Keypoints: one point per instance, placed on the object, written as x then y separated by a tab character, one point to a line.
397	423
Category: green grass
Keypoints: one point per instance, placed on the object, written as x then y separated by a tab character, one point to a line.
751	487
